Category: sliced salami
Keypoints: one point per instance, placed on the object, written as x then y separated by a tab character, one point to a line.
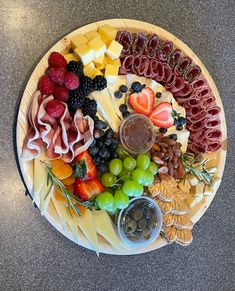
139	44
182	66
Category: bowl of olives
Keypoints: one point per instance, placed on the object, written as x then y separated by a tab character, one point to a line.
140	223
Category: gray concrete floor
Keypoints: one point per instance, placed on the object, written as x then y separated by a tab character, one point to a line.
33	255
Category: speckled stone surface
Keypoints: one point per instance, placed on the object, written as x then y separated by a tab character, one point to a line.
33	255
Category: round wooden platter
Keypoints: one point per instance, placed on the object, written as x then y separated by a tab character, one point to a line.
63	46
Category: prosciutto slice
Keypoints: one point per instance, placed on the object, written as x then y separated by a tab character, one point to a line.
140	44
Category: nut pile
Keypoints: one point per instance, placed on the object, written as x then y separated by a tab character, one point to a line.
166	153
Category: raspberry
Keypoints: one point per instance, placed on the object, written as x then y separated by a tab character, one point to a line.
46	85
55	108
61	93
57	75
71	81
57	60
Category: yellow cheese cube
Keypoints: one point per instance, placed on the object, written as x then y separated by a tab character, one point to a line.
71	57
90	70
107	33
92	34
111	73
116	62
77	40
99	60
98	46
103	65
86	53
114	50
98	73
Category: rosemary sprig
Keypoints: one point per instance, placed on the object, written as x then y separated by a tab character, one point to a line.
196	166
71	199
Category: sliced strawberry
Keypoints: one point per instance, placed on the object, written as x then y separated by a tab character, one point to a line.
90	168
142	102
86	190
161	115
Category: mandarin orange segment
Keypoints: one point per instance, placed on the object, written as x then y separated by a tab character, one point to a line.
57	163
63	171
59	195
82	209
68	181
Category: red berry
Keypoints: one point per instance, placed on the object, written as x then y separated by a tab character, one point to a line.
55	108
71	81
46	85
57	60
61	93
57	75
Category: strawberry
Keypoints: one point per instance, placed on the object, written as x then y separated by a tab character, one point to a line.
71	81
161	115
143	101
61	93
57	75
90	171
85	190
55	108
56	60
46	85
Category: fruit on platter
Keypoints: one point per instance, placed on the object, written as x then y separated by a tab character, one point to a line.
161	115
143	101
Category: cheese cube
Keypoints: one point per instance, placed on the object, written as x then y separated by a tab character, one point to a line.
98	46
103	65
111	73
92	34
99	60
98	73
71	57
90	70
116	62
86	53
107	33
114	50
77	40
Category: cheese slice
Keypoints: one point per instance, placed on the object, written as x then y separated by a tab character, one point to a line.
131	78
121	80
155	86
45	196
39	177
106	109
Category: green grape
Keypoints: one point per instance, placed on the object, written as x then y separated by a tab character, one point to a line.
149	179
120	151
115	167
108	189
143	161
132	188
112	210
125	175
139	176
121	200
105	201
108	179
153	168
148	154
129	163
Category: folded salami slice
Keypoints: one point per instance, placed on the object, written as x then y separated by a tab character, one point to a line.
214	146
152	45
139	44
185	91
199	84
177	86
197	149
182	66
158	72
167	73
127	63
167	47
144	65
170	83
174	58
160	56
192	73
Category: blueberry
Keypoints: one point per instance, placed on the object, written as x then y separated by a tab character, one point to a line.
115	143
175	122
158	94
136	87
104	153
173	136
108	141
93	143
123	88
118	94
97	160
98	133
123	108
103	168
100	143
179	127
99	124
109	133
114	155
125	114
163	130
181	121
93	150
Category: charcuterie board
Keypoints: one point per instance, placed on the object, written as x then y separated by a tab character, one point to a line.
27	167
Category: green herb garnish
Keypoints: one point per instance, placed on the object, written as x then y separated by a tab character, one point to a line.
80	170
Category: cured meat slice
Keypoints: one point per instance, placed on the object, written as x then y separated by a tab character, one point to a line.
197	149
136	65
140	65
160	56
196	114
213	111
195	126
192	74
153	43
214	146
174	58
139	44
127	64
125	39
177	86
208	101
213	134
167	47
204	92
158	72
182	66
185	91
170	83
167	73
199	84
212	123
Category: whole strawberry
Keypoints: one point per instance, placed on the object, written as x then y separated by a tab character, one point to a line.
56	60
71	81
57	75
61	93
46	85
55	108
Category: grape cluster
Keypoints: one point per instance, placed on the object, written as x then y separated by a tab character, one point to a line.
126	178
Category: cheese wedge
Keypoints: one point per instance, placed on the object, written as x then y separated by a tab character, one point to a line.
106	109
192	179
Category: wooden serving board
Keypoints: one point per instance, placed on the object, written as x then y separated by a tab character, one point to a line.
62	46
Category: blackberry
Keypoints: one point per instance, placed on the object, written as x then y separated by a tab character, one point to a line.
75	67
76	99
89	107
99	83
93	150
109	133
103	168
86	85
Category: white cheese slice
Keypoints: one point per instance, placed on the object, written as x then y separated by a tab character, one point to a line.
155	86
106	109
45	196
130	78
